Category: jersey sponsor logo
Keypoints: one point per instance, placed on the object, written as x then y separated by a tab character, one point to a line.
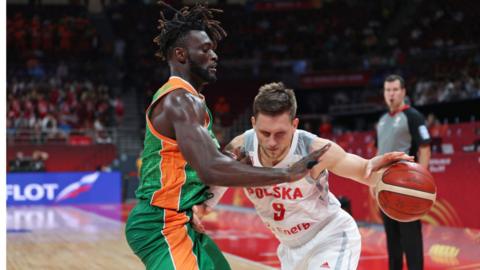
284	193
293	230
423	132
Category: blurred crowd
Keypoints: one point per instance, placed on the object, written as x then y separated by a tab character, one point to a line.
64	36
266	41
50	109
57	87
63	76
428	91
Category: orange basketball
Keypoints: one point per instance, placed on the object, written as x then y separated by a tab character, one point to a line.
406	191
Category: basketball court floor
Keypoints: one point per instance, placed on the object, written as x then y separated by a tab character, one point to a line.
91	237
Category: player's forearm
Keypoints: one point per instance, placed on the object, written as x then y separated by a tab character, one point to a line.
217	194
354	167
372	179
224	171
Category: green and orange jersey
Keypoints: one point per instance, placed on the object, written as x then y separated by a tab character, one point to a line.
166	179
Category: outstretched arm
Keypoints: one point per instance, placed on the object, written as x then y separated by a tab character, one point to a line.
365	171
185	114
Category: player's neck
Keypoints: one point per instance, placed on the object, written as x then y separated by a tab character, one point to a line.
197	85
397	108
270	161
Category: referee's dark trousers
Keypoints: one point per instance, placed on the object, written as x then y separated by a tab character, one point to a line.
404	237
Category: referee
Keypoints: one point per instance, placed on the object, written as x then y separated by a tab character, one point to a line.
403	129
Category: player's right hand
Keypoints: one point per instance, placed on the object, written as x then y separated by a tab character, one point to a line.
300	168
383	161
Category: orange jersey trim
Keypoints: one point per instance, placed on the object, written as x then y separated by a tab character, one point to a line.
179	242
177	83
172	169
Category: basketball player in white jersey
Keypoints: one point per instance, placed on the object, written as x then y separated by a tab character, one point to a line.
313	230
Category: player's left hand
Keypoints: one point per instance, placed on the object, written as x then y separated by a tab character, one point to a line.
381	162
239	154
199	211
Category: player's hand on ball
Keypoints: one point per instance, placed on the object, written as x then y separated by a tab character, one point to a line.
381	162
300	168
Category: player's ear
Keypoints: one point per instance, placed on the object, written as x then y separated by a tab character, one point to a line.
252	119
180	54
295	122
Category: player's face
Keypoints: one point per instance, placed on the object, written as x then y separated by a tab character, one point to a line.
274	133
394	94
202	57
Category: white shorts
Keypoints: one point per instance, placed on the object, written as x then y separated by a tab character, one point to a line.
336	246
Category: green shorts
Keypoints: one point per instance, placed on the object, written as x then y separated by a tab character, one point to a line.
164	239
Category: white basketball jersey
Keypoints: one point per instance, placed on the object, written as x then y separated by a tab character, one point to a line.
296	211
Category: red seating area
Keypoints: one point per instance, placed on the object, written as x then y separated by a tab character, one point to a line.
459	136
70	157
448	138
359	143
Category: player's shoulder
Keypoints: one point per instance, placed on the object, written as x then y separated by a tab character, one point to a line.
237	141
180	104
248	132
245	136
241	140
411	109
249	138
384	115
319	142
311	140
413	113
181	95
305	134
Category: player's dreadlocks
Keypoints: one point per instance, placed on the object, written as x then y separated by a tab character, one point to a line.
199	17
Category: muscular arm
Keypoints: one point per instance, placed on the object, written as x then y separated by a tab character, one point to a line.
352	166
218	191
185	114
340	162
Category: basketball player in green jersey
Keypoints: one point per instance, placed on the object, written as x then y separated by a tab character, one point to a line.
181	156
